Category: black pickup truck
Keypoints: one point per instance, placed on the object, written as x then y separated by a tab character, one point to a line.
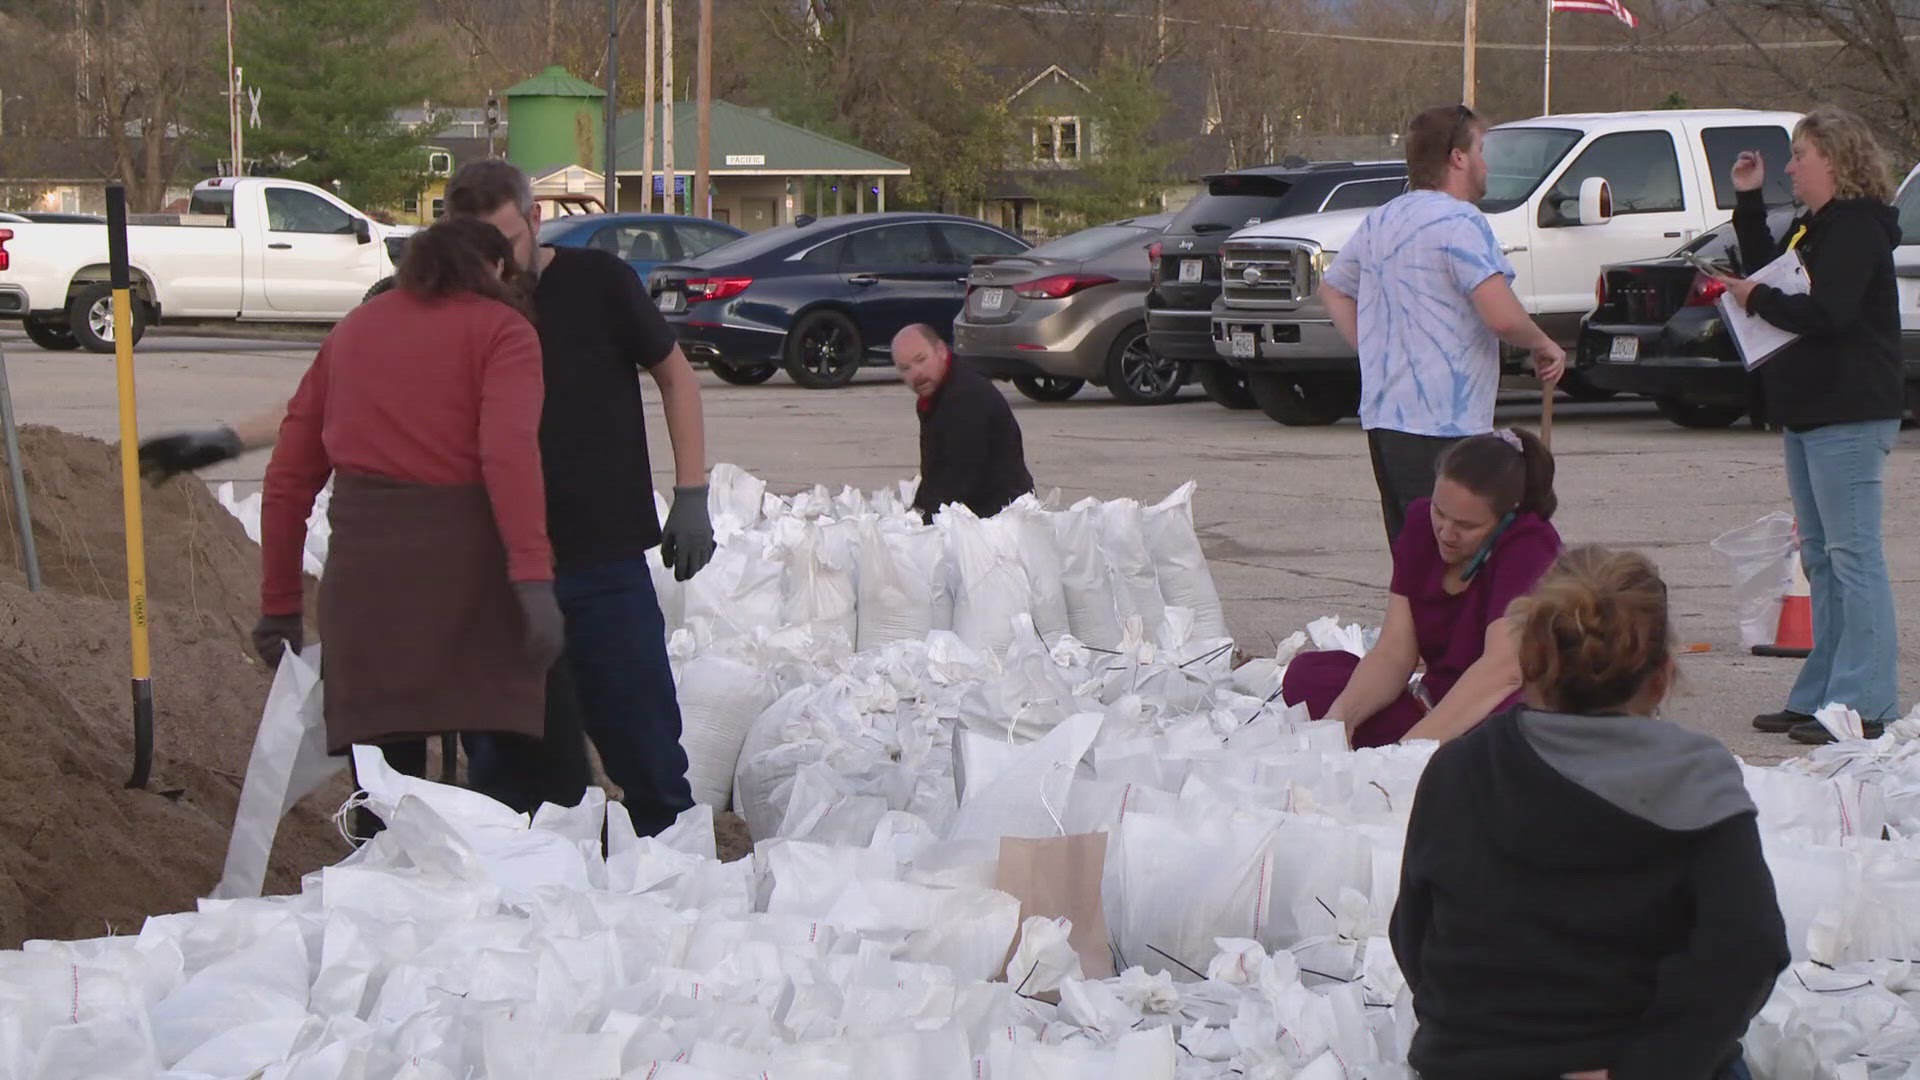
1656	331
1186	261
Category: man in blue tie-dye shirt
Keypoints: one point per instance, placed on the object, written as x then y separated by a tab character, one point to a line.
1425	296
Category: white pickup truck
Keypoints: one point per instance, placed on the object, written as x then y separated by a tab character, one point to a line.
1566	195
248	249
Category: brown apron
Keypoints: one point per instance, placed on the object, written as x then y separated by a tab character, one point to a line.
421	630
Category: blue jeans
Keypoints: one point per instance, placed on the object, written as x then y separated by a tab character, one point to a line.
1834	474
617	653
616	680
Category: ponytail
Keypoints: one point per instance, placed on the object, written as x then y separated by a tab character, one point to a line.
1593	631
1511	469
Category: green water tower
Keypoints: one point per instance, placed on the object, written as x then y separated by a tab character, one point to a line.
554	119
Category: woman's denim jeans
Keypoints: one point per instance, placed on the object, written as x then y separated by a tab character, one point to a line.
1834	473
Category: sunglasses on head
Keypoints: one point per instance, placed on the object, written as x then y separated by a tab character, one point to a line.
1461	117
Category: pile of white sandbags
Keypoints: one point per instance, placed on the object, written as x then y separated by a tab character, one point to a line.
834	577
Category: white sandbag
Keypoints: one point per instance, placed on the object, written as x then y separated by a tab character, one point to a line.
1039	545
739	592
763	777
1180	562
313	560
289	761
819	594
1126	544
734	498
1759	558
670	594
1086	578
991	584
1184	881
720	698
897	583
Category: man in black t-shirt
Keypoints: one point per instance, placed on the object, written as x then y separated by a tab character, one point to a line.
598	329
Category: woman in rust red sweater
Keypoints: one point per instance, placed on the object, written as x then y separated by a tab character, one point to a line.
437	605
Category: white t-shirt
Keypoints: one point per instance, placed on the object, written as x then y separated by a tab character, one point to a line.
1428	364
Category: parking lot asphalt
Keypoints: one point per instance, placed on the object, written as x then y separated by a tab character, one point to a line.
1288	516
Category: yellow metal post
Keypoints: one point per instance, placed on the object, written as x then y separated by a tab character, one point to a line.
130	486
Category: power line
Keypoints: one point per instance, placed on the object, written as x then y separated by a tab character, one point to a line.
1368	39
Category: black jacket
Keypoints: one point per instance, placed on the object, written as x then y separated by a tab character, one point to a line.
970	448
1583	893
1846	366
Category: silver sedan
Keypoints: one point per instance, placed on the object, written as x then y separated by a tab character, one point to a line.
1070	312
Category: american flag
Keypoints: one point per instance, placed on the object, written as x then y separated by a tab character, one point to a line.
1605	7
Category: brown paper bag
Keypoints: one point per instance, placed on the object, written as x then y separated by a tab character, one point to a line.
1059	877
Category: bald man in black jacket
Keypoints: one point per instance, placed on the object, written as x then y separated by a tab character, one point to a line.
970	447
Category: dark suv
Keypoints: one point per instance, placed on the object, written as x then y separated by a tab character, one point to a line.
1186	262
822	297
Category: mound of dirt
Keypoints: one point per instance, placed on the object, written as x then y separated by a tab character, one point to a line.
80	855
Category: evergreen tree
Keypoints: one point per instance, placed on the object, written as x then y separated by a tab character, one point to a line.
331	73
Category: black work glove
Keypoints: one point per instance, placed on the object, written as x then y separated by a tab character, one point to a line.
273	635
165	456
546	627
686	542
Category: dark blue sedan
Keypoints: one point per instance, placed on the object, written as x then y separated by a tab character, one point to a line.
643	240
823	297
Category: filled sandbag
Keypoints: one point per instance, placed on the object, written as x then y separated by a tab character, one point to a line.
1180	563
720	698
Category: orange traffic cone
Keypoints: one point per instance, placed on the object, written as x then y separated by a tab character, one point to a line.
1794	635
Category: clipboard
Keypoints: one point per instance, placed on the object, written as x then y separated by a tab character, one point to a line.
1757	339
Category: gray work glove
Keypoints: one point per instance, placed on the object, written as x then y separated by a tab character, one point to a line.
164	457
546	627
273	635
686	541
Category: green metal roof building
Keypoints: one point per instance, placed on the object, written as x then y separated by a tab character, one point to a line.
763	171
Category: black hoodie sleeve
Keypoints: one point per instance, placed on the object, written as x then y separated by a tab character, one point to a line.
1848	258
1757	245
1707	993
1412	911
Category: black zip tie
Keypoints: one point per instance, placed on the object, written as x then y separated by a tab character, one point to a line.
1214	655
1325	908
1811	990
1263	705
1324	975
1189	967
1384	793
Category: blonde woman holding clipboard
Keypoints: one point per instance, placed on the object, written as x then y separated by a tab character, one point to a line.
1837	391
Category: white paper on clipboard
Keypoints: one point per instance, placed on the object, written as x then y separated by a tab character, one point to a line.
1756	338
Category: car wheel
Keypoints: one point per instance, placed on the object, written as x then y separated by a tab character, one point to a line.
744	374
1576	386
48	335
1691	415
1047	387
1226	386
1304	402
824	350
1137	375
90	318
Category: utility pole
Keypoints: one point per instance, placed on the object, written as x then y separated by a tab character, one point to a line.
704	143
233	95
646	123
666	135
607	149
1467	47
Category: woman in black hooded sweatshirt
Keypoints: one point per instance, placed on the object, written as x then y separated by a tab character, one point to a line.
1582	892
1838	391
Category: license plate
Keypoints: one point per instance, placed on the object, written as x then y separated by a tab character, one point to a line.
1244	345
671	302
1626	350
1192	269
992	300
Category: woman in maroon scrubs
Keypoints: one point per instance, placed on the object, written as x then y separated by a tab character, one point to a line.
1478	544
